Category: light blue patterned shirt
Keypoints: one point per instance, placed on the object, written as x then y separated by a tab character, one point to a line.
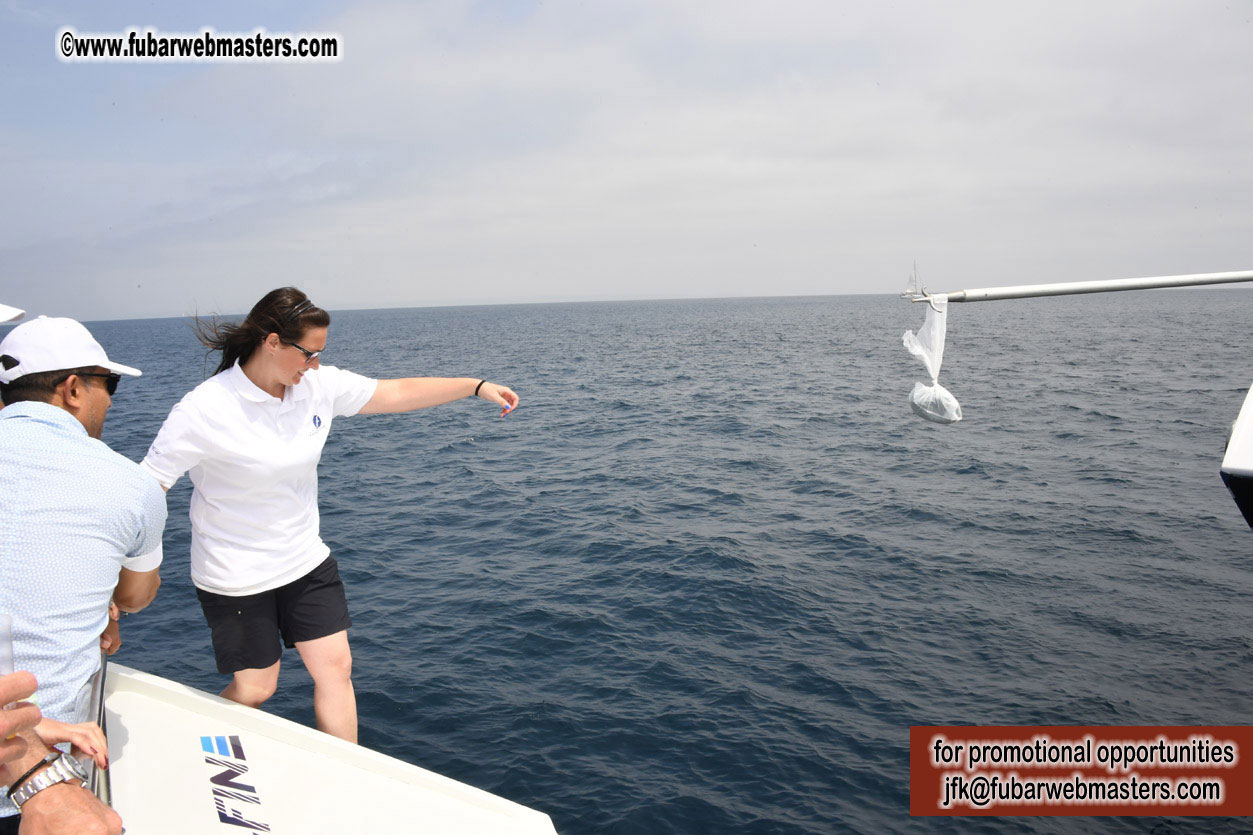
72	513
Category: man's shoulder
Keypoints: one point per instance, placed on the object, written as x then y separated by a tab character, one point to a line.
130	485
80	462
113	462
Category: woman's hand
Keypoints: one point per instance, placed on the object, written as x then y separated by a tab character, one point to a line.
86	738
500	395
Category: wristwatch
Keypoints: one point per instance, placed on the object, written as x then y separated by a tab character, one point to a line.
64	769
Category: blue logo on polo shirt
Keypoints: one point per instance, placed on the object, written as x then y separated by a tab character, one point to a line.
317	422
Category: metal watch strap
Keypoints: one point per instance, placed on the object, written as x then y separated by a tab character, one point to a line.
48	760
65	769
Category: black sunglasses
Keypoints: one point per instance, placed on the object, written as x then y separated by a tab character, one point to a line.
310	356
110	380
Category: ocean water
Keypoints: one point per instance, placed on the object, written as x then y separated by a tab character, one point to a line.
711	571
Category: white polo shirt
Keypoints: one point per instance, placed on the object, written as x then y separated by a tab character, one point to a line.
253	461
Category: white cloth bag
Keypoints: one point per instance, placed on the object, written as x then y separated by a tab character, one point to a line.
933	402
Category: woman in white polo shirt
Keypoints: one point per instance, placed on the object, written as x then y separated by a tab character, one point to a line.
251	436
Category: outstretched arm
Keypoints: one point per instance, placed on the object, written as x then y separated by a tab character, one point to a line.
410	393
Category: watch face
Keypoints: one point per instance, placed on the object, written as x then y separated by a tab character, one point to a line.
75	767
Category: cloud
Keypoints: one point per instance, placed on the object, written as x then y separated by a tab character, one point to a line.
458	154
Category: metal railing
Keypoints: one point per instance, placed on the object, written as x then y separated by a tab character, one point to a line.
98	778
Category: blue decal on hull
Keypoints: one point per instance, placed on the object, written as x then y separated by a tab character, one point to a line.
231	795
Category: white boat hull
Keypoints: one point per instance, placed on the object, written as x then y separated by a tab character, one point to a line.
184	761
1237	466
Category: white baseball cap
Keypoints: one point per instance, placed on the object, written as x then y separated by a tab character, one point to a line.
8	314
45	344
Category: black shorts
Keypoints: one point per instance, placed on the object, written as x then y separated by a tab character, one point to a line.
246	629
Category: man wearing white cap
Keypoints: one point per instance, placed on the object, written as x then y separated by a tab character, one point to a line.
79	524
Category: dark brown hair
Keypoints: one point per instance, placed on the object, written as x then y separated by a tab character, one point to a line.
285	311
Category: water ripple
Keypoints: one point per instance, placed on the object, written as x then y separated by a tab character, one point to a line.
705	583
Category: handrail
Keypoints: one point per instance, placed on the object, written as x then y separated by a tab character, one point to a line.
98	778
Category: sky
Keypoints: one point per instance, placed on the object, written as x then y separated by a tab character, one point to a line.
501	152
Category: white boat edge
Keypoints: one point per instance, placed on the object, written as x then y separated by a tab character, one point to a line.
133	698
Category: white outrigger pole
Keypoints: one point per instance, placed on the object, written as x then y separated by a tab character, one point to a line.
1237	466
1070	288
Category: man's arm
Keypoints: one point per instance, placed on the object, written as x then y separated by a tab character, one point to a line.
63	809
136	589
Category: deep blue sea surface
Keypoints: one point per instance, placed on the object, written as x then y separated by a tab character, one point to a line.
711	571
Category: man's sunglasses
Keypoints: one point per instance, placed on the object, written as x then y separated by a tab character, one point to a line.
110	380
310	356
